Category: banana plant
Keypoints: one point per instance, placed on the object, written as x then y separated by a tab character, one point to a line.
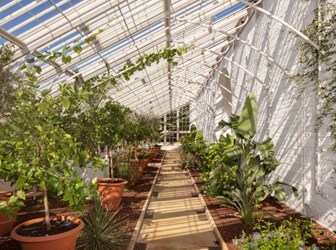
246	163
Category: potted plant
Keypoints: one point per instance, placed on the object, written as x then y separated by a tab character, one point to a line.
36	151
143	160
103	230
9	206
111	118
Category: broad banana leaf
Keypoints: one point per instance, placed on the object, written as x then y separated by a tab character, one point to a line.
247	123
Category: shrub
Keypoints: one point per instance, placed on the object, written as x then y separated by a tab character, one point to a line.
194	150
243	164
292	234
123	170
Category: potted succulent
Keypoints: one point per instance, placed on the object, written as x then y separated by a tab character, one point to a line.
36	151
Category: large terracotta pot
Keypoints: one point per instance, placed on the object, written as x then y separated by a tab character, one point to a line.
6	224
62	241
111	191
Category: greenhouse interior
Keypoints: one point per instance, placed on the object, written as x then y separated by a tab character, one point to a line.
167	124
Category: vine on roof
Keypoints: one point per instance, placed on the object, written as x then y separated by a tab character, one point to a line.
32	69
322	30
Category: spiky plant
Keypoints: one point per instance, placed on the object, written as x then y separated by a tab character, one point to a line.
103	230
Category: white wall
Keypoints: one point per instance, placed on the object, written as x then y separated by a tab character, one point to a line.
307	160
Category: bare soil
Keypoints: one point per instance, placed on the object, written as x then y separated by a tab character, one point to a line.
231	226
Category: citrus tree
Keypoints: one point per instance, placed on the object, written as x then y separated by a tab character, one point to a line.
36	151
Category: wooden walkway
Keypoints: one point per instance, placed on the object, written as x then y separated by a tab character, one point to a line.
175	218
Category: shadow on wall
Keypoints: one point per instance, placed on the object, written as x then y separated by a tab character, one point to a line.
223	103
287	118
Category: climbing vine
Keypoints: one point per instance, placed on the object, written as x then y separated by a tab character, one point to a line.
32	69
322	31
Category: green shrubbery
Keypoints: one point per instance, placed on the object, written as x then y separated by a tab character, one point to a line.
237	167
292	234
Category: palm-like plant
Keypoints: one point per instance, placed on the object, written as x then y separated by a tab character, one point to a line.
246	163
103	230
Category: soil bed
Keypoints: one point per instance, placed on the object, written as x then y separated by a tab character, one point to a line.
133	199
231	226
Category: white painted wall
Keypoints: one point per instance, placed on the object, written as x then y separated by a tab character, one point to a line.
307	160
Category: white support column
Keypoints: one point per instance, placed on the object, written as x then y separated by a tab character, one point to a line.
165	129
177	124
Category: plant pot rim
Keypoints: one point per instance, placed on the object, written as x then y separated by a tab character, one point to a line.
22	238
6	193
121	181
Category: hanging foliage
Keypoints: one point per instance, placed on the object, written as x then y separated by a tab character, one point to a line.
32	69
322	31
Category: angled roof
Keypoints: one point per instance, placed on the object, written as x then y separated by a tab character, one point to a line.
129	28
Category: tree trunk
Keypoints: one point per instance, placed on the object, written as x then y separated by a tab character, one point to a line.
46	209
110	156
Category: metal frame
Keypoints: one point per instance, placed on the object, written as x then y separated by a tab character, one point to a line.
131	28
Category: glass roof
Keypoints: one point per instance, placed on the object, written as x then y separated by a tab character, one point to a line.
130	28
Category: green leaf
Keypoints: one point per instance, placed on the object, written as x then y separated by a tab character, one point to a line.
78	49
52	58
39	128
21	194
66	103
38	69
66	59
20	182
43	106
65	48
15	128
79	184
30	60
45	92
247	123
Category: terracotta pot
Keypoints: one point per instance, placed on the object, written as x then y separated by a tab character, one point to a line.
6	224
111	193
153	152
143	164
62	241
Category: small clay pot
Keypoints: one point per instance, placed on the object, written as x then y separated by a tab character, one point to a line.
6	224
62	241
111	191
143	164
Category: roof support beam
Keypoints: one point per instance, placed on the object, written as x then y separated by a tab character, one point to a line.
22	45
296	31
166	6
